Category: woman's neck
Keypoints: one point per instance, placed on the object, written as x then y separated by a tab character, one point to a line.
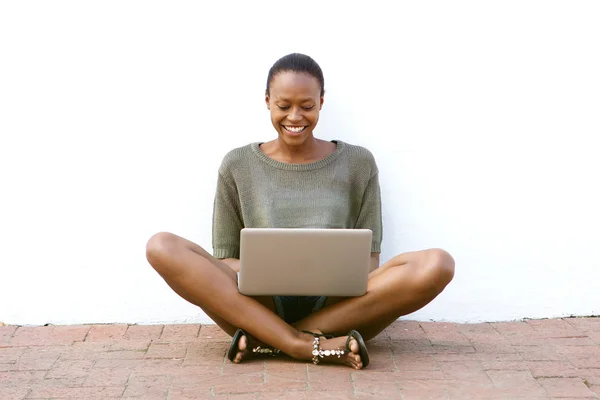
309	151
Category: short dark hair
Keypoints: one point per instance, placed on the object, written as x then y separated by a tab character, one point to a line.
296	62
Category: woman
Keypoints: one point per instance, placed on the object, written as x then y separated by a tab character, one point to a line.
297	180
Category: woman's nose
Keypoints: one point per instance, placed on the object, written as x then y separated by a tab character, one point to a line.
294	115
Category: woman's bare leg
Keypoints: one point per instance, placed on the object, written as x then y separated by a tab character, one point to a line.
401	286
209	283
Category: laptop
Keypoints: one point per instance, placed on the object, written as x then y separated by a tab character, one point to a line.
304	262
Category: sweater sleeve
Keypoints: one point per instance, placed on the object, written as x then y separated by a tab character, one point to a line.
227	220
369	216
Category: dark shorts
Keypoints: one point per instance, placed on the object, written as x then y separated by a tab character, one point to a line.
293	308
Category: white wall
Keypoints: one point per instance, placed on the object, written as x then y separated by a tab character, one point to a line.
114	117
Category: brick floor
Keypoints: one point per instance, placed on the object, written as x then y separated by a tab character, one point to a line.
533	359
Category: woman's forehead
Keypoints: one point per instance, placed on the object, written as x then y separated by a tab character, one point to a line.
290	82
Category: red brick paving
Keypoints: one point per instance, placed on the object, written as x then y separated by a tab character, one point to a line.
533	359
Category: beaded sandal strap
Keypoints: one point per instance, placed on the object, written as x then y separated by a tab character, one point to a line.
266	350
320	353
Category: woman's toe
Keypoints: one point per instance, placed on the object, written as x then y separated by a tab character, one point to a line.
354	348
242	344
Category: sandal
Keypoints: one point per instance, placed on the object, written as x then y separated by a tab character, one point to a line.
325	335
233	348
320	353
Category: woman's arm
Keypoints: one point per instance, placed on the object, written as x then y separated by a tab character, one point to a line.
233	263
374	262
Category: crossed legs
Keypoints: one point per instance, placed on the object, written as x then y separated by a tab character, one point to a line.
402	285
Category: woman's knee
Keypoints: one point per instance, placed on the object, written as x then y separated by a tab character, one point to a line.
159	248
439	267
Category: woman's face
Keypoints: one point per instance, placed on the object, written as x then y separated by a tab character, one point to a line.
294	100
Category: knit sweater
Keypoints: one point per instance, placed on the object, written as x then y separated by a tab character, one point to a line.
256	191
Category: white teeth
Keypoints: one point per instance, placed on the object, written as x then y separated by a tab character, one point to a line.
295	129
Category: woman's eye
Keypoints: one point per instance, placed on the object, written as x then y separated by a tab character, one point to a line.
304	108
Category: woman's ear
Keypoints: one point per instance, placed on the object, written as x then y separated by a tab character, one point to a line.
267	101
321	103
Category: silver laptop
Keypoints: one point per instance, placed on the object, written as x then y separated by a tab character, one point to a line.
304	262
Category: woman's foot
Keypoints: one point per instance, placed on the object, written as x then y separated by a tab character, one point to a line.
242	350
340	350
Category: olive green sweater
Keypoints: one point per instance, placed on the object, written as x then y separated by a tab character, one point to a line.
255	191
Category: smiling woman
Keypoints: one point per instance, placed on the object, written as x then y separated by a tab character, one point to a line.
297	180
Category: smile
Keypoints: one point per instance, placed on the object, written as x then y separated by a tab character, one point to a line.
294	129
